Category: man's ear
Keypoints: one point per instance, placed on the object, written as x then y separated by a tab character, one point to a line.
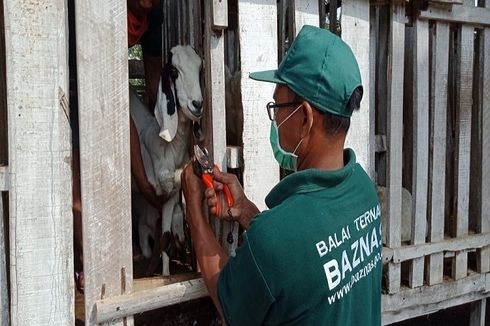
307	119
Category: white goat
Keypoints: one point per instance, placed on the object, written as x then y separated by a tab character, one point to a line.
164	144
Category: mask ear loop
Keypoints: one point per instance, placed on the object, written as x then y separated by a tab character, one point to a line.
290	115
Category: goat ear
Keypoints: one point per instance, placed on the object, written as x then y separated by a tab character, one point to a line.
168	122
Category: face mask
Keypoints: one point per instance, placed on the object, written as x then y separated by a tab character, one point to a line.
285	159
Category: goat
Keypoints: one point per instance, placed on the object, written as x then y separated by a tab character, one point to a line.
164	144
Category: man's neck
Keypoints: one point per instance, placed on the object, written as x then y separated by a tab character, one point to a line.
327	155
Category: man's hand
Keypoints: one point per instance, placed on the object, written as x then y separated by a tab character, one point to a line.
192	187
243	209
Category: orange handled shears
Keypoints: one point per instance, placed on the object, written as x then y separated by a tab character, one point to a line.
204	169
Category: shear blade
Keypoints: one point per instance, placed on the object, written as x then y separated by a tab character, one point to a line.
202	157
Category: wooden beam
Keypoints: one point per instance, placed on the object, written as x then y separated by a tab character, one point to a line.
395	77
137	302
3	94
104	151
463	137
306	13
219	14
356	32
4	178
421	146
439	78
458	14
410	303
215	115
464	243
40	199
4	299
484	254
258	51
477	313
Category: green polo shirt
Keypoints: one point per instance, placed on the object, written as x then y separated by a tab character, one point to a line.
313	258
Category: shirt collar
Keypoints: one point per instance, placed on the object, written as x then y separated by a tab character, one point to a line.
310	180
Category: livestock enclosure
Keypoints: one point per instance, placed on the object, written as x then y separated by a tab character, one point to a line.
422	134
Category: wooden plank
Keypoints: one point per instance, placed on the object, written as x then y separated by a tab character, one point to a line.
258	50
4	299
464	243
4	178
3	94
219	14
421	146
215	115
394	128
477	313
429	299
438	136
484	224
355	32
40	200
306	13
372	82
458	14
332	16
463	136
104	151
137	302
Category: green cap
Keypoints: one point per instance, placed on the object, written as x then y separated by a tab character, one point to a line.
320	68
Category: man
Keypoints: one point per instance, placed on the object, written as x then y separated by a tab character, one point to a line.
313	258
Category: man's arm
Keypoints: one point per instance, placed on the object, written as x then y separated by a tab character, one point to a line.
210	256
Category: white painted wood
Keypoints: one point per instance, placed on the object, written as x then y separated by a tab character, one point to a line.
215	115
463	136
258	51
4	300
104	151
4	178
306	13
395	77
137	302
355	32
484	257
465	243
234	157
219	14
424	300
439	73
458	14
420	146
40	212
477	313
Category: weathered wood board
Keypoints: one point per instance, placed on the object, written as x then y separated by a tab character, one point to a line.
305	13
355	32
104	151
439	77
395	77
40	215
420	146
463	132
258	51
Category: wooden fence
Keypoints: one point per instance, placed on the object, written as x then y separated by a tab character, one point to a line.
423	126
432	106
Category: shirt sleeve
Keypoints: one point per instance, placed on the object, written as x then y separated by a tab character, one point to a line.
242	289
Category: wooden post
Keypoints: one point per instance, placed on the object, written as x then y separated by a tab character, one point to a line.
421	146
477	313
463	136
4	300
395	133
258	50
103	95
215	115
439	77
3	94
355	32
306	13
484	253
40	200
